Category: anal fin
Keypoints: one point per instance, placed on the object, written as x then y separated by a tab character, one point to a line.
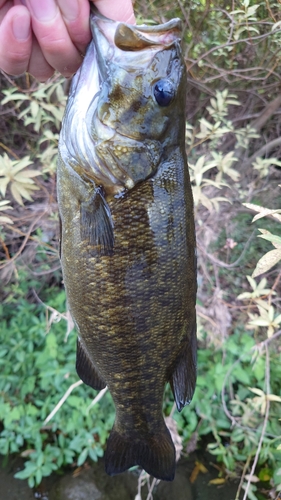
86	369
96	223
183	378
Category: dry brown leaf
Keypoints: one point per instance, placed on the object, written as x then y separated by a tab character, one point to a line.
194	474
217	481
199	467
267	262
262	211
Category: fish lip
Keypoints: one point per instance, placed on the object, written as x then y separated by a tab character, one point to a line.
120	35
171	25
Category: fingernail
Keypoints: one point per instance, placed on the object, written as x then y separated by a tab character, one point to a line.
21	27
43	10
70	9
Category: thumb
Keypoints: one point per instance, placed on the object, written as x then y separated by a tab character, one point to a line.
119	10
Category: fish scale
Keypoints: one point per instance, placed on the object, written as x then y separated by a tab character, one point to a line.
128	254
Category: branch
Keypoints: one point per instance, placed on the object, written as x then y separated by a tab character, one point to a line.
257	125
260	346
61	401
220	262
65	396
267	379
266	114
228	44
262	151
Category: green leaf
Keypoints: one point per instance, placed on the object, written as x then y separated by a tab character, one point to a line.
241	374
82	457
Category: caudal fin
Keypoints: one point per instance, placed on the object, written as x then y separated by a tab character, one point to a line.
155	454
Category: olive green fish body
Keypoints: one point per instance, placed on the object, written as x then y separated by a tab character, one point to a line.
128	250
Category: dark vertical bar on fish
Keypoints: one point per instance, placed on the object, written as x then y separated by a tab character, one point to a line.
128	238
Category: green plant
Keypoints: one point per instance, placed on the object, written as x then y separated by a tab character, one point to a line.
267	261
15	175
37	369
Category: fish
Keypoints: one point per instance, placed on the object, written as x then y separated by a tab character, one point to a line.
127	245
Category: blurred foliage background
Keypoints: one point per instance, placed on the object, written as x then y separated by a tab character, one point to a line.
233	140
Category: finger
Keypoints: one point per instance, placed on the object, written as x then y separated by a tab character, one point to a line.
4	7
15	41
75	14
52	36
119	10
38	66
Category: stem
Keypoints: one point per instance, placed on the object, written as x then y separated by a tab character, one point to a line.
267	381
62	400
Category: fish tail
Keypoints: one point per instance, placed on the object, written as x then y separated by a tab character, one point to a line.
154	453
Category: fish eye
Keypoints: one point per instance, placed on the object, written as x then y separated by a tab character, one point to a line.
164	92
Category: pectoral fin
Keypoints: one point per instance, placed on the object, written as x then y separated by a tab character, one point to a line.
97	224
183	379
86	370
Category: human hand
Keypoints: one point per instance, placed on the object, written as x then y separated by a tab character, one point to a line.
41	36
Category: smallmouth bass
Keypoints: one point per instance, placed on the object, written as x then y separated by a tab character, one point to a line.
127	233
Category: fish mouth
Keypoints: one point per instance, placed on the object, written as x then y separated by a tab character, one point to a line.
103	150
130	37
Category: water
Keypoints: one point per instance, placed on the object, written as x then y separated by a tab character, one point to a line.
91	483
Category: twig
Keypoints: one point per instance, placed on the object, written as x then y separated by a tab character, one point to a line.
263	151
223	264
61	401
270	11
9	151
5	248
5	263
141	482
267	379
228	44
184	15
262	345
266	113
276	281
49	308
42	273
97	398
247	463
65	396
33	238
173	410
150	490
